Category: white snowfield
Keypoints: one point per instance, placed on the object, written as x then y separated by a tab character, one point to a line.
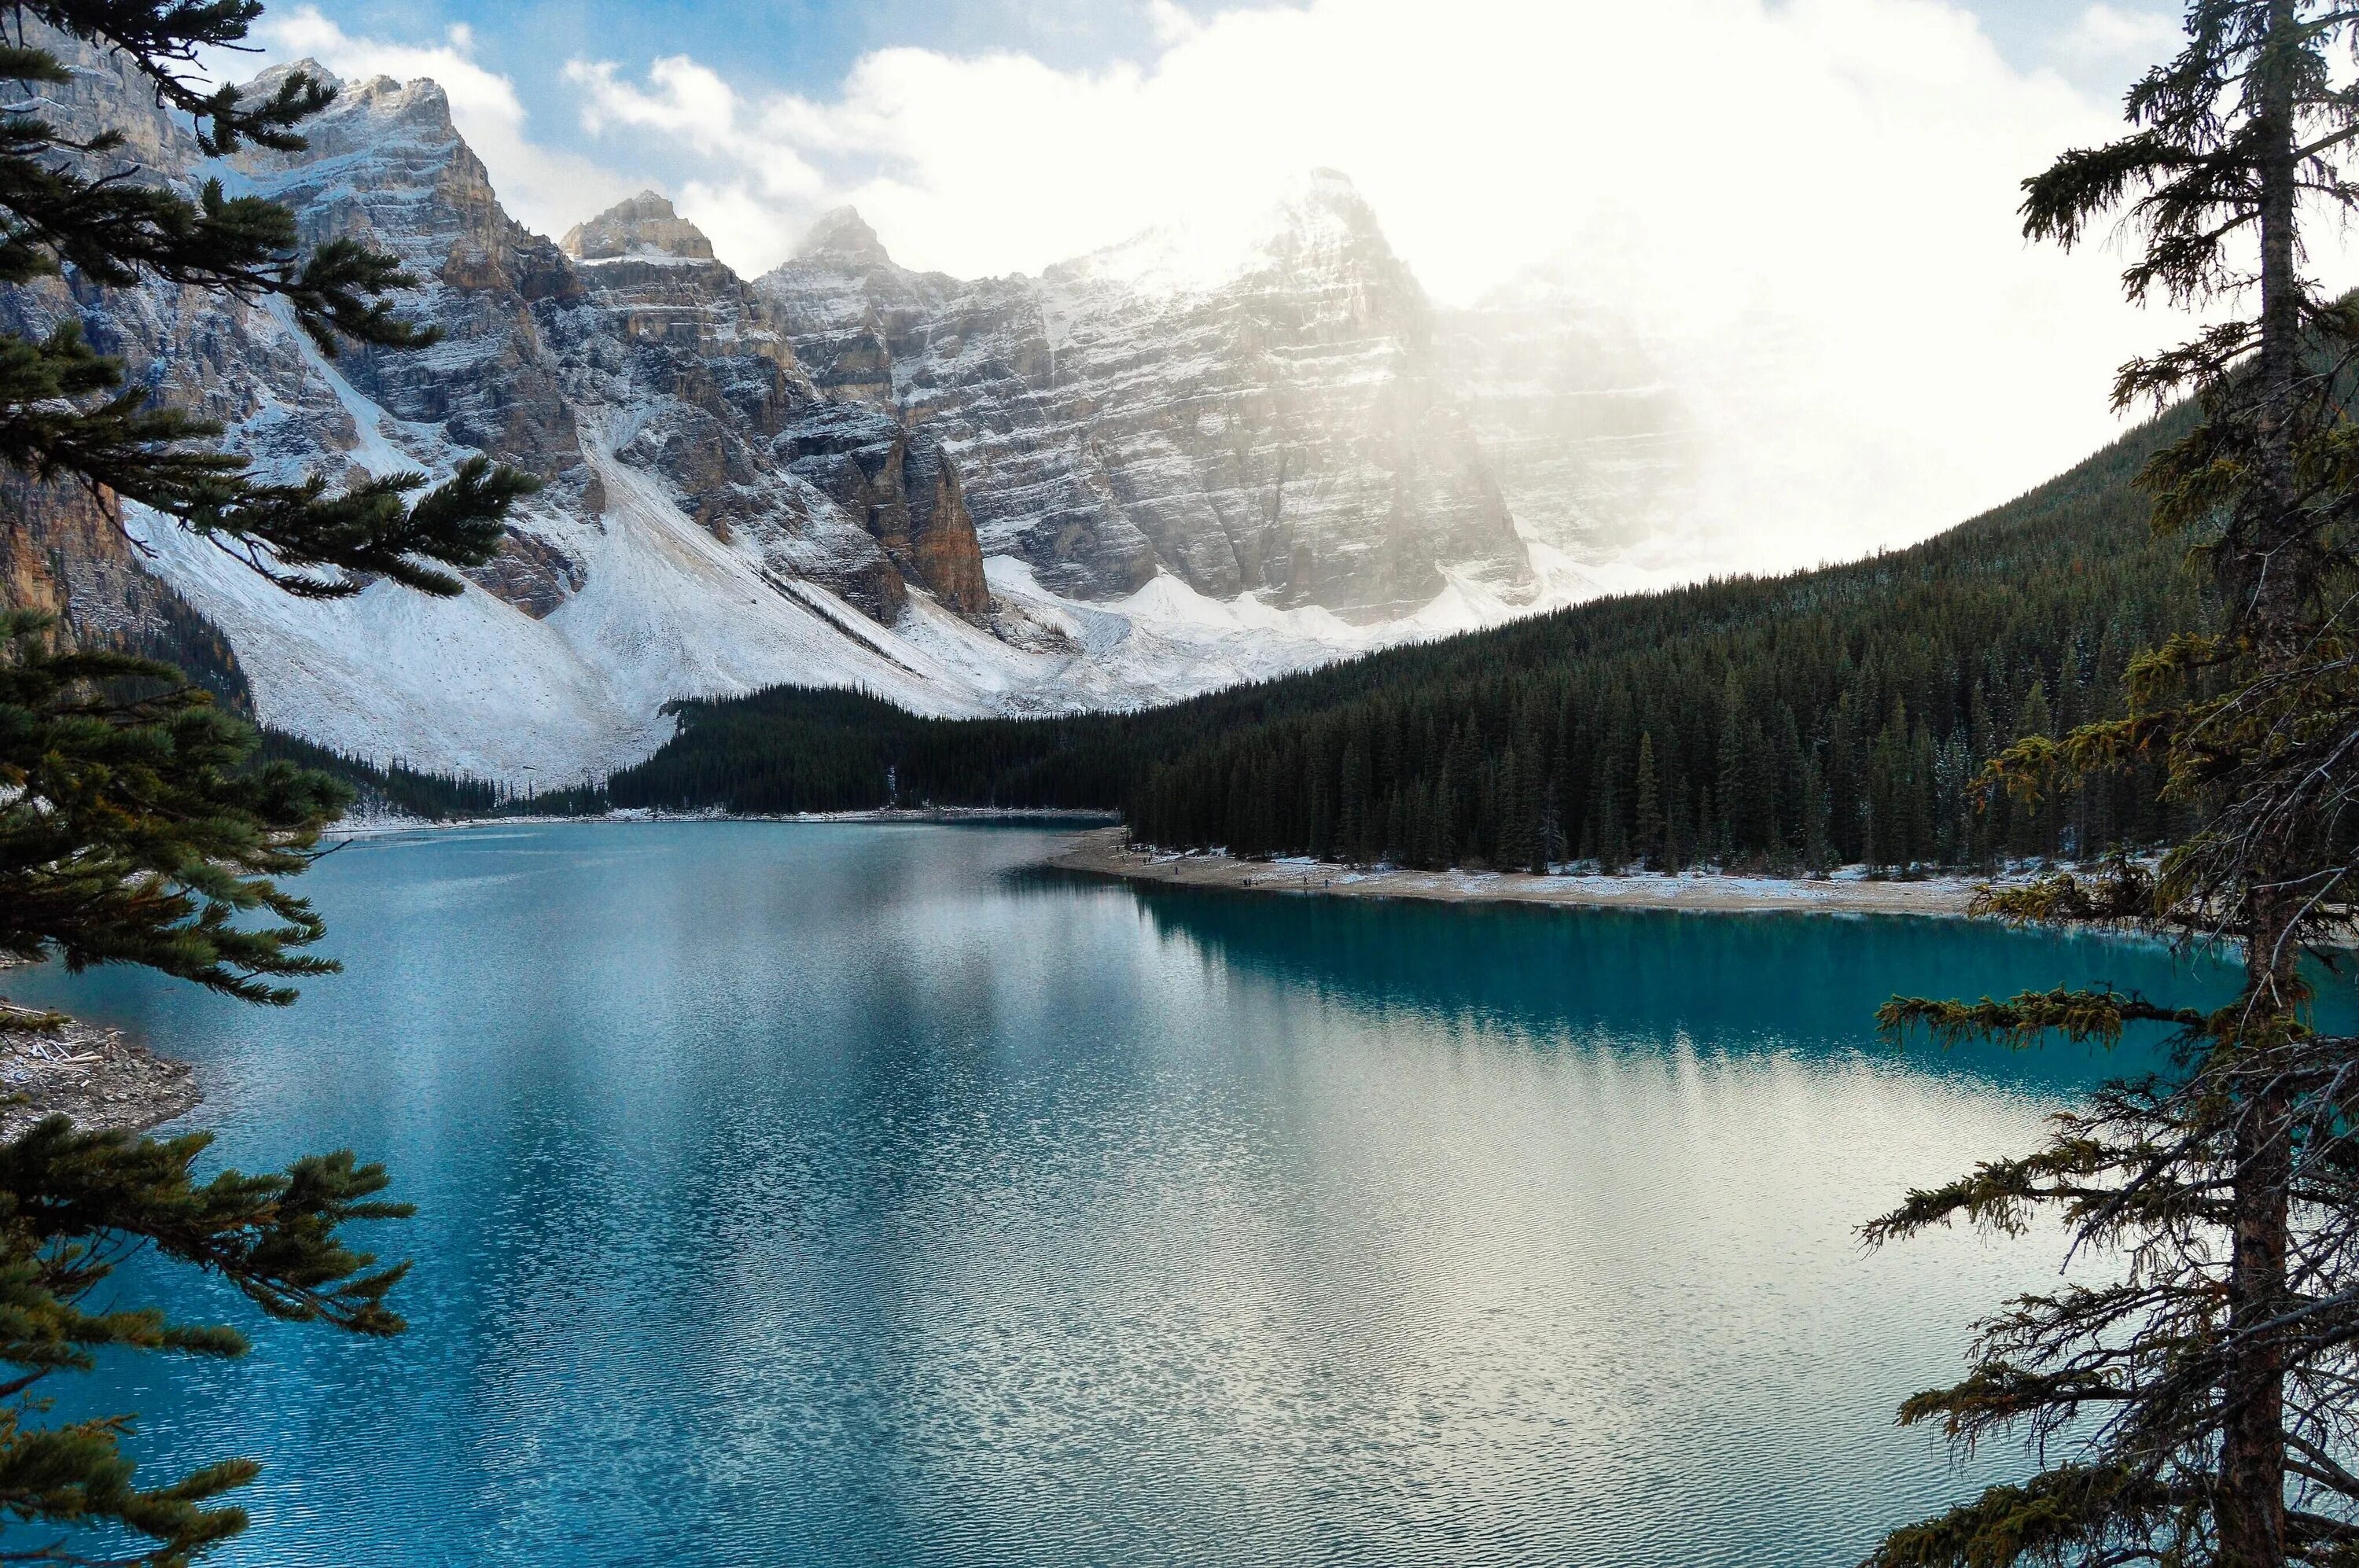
473	685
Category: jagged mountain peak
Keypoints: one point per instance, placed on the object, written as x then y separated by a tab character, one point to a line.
421	99
736	470
1323	226
267	83
648	204
644	226
1328	190
1320	222
1241	403
1326	198
843	237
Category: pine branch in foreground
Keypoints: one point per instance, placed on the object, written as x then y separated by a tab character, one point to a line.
137	823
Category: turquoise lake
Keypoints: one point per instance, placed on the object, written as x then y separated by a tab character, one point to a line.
833	1194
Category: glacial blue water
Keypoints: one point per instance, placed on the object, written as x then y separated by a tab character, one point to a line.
820	1194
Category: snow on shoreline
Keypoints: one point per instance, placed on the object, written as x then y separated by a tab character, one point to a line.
1103	853
385	823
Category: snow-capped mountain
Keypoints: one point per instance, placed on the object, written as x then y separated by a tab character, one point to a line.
1283	426
1131	479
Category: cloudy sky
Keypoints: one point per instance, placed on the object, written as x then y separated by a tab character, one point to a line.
1807	204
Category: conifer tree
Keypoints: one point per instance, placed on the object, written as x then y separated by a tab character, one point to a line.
1818	849
1610	850
1731	782
2199	1409
1352	822
1845	825
134	826
1649	821
1446	841
2032	809
1676	837
1921	811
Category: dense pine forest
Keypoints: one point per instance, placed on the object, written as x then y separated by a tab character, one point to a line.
397	788
1840	715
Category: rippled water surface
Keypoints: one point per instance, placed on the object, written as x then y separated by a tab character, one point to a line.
797	1194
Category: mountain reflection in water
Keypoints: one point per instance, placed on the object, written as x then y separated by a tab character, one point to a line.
862	1196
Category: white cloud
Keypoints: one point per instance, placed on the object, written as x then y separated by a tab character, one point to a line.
542	188
692	104
1809	204
2107	34
740	222
1171	24
687	101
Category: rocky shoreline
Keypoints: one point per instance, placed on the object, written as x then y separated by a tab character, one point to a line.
88	1073
1103	853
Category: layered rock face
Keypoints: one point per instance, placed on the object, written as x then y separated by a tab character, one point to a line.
387	166
1282	427
645	225
693	382
1594	449
709	522
637	348
61	555
630	337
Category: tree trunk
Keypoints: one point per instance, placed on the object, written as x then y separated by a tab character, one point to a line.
2272	594
2252	1511
2253	1454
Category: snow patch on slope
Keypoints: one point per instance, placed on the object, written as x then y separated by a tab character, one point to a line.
474	685
470	684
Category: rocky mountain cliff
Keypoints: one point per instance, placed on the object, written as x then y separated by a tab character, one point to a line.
644	226
711	523
669	342
631	344
1284	428
1122	481
1592	449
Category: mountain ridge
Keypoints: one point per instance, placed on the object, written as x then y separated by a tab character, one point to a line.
1274	431
1029	497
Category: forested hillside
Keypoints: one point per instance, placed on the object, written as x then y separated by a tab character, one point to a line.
403	791
1832	716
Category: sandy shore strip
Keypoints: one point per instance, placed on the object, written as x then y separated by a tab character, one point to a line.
1103	853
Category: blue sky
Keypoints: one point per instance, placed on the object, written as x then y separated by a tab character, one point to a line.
808	45
2039	32
1796	201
